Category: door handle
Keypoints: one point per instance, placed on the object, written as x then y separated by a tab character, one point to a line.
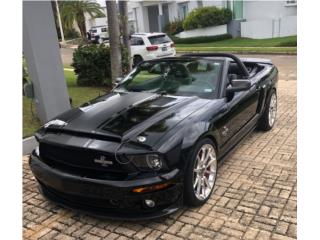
223	109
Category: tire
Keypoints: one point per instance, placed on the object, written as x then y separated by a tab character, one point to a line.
136	60
268	118
191	185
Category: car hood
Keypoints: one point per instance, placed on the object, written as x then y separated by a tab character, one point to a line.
125	116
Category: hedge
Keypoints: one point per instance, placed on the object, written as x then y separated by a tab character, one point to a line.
92	65
206	17
289	43
203	39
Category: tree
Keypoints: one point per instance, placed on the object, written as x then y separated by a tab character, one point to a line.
73	11
114	40
123	10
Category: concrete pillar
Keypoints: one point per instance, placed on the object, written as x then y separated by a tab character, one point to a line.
160	17
41	49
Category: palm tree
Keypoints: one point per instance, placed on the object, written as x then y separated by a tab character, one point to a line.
73	11
114	40
123	10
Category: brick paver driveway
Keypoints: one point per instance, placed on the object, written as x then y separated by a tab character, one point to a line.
254	198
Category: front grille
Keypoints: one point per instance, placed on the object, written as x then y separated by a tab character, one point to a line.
82	161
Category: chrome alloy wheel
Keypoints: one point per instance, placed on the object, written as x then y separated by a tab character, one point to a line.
204	171
272	109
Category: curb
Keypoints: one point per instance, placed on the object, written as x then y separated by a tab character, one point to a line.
28	144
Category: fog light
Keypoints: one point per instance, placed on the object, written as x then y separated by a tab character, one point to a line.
149	203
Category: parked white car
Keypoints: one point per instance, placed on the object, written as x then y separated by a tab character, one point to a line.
147	46
99	34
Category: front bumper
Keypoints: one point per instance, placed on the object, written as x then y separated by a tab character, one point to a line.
105	198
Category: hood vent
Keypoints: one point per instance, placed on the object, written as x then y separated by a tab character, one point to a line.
105	136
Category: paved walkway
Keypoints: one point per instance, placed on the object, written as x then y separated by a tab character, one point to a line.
255	195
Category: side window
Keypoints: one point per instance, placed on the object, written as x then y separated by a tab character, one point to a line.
103	29
136	41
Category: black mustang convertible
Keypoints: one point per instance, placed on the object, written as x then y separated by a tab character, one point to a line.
154	142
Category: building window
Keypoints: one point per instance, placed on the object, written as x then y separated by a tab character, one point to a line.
136	41
291	3
236	6
183	10
200	3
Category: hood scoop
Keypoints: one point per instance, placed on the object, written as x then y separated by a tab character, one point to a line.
138	118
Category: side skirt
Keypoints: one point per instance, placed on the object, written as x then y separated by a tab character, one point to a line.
241	135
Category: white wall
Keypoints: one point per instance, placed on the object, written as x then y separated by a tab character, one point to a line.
257	29
288	26
208	31
268	19
219	4
258	10
173	11
270	28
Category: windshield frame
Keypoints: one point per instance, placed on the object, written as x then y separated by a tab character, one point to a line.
214	95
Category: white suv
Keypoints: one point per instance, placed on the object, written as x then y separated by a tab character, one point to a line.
99	34
147	46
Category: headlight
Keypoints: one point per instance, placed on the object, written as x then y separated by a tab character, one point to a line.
147	161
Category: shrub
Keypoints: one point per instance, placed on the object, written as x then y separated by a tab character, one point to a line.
289	43
174	27
71	33
206	17
125	61
203	39
92	65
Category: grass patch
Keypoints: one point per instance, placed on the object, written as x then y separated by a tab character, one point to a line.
246	42
78	94
260	50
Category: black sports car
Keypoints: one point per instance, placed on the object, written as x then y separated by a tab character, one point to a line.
154	142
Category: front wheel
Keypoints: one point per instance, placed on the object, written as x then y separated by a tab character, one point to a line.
269	116
201	173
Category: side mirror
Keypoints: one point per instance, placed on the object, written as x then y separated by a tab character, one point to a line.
238	85
118	80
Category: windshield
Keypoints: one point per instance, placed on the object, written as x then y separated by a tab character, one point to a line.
175	77
159	39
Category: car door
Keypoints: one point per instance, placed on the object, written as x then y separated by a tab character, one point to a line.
241	109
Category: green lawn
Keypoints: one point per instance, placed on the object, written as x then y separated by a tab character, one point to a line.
78	94
271	45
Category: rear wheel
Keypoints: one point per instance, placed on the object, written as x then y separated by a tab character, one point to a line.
269	116
201	173
136	60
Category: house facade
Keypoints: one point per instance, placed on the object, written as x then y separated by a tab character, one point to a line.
254	19
251	18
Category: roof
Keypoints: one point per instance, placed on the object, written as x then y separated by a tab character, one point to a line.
101	26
